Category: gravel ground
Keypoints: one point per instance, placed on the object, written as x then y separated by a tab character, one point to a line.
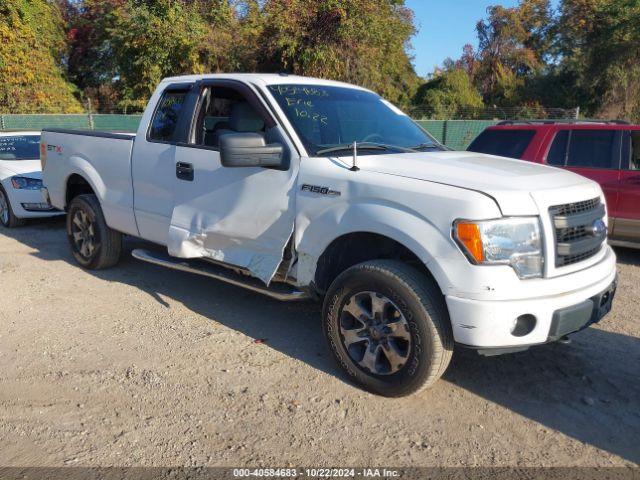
139	365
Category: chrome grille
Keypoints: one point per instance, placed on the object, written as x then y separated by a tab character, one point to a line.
576	208
571	259
575	238
571	233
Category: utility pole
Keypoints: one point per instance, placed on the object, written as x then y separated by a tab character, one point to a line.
90	113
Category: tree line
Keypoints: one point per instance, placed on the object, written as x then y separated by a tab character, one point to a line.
585	53
62	55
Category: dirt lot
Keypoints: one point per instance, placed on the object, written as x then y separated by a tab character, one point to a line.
139	365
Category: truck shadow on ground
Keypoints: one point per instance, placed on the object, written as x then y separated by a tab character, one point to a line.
588	390
628	256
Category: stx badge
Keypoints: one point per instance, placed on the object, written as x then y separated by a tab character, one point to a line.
54	148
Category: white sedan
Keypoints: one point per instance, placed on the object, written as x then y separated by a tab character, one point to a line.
21	179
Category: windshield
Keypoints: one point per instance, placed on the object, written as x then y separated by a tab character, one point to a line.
20	147
326	116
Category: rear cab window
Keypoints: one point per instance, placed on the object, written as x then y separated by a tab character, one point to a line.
504	143
586	148
165	119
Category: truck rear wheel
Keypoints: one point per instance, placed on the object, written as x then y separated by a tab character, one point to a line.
94	245
388	327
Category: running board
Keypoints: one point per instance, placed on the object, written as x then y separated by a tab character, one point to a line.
278	291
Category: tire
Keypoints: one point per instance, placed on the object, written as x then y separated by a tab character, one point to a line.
8	219
408	342
94	245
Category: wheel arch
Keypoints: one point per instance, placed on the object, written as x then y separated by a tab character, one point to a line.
353	248
409	233
76	184
82	171
83	178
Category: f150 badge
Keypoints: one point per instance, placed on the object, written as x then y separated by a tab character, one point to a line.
319	190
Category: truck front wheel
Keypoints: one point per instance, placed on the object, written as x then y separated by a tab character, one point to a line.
388	327
94	245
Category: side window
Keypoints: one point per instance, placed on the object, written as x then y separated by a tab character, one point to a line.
558	152
165	120
223	111
631	150
593	149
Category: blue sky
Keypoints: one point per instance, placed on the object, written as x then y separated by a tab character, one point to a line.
445	27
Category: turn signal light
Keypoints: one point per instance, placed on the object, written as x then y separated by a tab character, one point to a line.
43	155
469	235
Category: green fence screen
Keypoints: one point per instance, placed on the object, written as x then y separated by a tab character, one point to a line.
108	122
37	122
122	123
456	134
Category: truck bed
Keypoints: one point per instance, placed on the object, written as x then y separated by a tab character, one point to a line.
85	153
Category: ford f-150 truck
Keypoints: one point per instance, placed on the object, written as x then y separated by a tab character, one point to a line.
304	188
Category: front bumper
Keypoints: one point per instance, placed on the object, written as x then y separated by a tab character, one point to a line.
577	317
29	204
490	325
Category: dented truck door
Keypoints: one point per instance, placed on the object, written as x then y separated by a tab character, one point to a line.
242	216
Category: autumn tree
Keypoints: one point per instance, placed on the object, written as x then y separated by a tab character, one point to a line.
513	44
91	61
222	46
151	40
32	48
358	41
122	48
598	49
469	61
450	94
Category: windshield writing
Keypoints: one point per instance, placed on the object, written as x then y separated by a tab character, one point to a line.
326	116
20	147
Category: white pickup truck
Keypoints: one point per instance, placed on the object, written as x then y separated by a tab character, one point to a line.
304	188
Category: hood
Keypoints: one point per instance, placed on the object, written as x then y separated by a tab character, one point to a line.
512	183
27	168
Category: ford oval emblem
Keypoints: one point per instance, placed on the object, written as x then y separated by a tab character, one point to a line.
598	228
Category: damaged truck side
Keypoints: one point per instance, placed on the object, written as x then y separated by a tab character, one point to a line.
303	188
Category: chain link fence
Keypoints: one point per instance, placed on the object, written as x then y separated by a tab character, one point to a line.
90	121
524	112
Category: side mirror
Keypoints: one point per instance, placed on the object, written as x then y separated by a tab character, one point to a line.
249	150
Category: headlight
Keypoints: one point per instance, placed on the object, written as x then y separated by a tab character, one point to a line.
26	183
512	241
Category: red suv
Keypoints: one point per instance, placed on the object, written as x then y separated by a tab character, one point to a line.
607	152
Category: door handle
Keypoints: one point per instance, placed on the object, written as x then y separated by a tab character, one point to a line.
184	171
